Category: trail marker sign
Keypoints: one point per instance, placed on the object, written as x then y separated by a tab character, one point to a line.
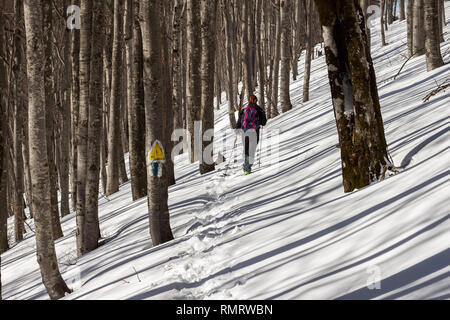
157	152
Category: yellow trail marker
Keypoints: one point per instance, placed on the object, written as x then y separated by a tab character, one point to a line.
157	152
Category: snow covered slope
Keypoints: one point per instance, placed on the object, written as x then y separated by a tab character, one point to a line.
287	231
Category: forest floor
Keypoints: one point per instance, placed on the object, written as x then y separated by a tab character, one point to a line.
287	231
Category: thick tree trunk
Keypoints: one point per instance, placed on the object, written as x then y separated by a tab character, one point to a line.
136	113
194	89
83	122
3	86
432	36
285	99
208	15
114	133
49	117
418	28
354	93
308	51
18	204
39	163
177	95
92	228
153	78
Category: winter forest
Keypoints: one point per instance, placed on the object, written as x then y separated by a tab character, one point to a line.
126	171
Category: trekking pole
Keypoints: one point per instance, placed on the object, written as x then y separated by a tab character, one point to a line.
231	156
260	147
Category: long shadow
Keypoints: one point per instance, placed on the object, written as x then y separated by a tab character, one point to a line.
422	269
407	159
361	261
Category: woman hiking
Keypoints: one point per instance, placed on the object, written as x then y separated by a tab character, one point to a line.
251	118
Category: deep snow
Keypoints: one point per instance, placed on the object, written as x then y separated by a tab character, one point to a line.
287	231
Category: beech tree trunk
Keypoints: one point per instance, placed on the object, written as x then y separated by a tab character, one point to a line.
49	117
410	26
136	113
432	36
157	187
382	21
418	28
208	15
401	12
286	11
194	89
354	93
39	162
92	228
276	61
308	51
114	132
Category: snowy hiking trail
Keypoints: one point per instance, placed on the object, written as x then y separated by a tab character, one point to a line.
286	231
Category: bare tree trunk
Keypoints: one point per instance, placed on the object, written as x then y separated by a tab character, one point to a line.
410	26
401	6
114	133
418	28
260	53
75	108
3	85
18	204
49	118
441	22
308	51
245	48
39	163
364	6
153	78
285	99
382	22
230	65
354	93
432	37
177	95
92	228
83	122
276	60
136	117
208	15
194	90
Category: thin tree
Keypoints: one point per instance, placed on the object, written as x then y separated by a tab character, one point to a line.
382	21
114	132
286	12
39	163
309	49
354	93
276	59
194	89
154	64
418	28
432	35
208	16
410	26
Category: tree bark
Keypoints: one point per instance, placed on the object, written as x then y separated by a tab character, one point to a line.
410	26
276	61
114	133
401	12
308	51
208	15
92	228
194	89
432	36
157	187
354	93
285	99
49	118
382	22
418	28
136	117
39	163
83	121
